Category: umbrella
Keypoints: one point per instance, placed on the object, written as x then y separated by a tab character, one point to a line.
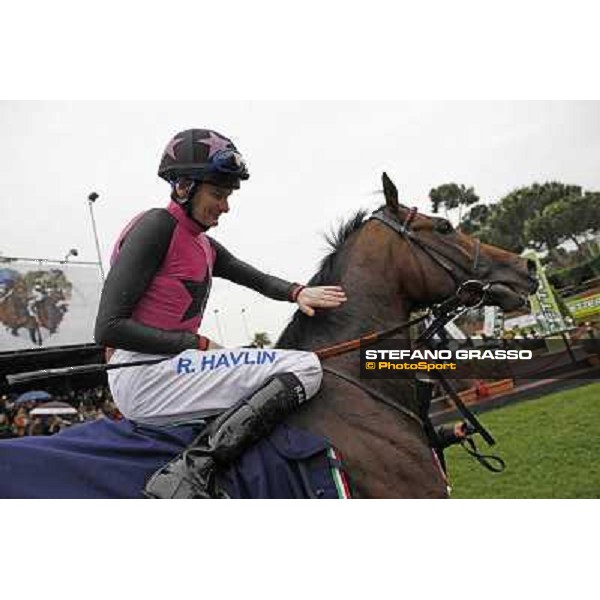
54	408
7	275
33	396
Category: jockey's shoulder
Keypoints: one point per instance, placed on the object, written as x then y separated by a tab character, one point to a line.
157	215
153	222
218	246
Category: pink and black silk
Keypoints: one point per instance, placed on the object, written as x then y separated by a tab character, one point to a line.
156	291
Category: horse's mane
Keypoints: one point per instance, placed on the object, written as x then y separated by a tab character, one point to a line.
329	266
301	327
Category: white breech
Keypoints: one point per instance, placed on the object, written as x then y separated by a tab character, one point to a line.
198	383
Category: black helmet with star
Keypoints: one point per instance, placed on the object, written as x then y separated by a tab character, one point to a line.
203	155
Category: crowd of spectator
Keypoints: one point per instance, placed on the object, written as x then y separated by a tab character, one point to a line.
91	404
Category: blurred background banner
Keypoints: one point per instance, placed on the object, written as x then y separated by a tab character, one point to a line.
47	303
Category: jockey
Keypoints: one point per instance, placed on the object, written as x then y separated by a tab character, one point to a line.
5	291
155	294
37	295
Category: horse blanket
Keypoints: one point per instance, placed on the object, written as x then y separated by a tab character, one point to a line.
114	459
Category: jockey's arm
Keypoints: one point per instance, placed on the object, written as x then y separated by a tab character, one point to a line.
307	298
140	257
233	269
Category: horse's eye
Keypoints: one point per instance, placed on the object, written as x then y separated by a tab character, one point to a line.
444	226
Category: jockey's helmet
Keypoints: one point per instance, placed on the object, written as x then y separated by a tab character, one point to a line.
203	155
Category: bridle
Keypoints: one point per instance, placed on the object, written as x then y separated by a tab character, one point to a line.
435	254
469	294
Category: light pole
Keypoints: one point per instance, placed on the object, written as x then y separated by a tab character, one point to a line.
216	311
91	199
246	325
71	252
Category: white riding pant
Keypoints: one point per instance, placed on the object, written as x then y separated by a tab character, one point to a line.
195	384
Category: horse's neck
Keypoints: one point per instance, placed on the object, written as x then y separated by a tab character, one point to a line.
375	439
374	304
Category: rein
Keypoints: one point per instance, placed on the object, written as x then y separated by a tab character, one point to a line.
375	394
371	338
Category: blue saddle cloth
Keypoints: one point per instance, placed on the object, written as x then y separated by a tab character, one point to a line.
108	459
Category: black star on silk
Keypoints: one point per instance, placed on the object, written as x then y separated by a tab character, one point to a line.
198	292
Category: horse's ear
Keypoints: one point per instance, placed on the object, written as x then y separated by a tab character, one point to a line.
390	191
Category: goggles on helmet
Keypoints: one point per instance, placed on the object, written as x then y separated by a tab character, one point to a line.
228	161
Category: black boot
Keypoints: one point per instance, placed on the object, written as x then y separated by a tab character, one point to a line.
192	474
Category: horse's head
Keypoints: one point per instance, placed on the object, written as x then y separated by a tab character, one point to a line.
440	258
398	259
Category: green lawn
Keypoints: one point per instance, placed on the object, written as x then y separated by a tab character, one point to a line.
550	447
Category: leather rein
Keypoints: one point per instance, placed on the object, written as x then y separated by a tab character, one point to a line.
470	293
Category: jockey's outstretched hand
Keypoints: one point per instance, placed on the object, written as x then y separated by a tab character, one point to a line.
324	296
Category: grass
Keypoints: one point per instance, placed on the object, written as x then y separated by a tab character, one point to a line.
550	446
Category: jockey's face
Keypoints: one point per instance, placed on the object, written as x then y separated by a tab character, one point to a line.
209	203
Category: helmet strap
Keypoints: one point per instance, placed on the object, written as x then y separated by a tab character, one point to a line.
191	193
186	203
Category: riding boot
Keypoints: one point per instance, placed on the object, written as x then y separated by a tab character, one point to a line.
192	474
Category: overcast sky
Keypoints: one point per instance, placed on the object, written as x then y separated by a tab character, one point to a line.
311	164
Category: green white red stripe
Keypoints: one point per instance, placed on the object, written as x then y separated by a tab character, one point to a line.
341	483
438	464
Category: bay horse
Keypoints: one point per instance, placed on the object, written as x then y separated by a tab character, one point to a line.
14	314
388	267
389	264
48	311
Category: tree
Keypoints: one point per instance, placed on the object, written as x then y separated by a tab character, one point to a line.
505	224
577	218
499	229
542	232
451	196
475	219
261	339
572	218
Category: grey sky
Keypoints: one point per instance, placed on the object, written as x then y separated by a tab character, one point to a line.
311	163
